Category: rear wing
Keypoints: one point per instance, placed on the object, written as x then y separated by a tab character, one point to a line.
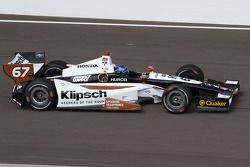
24	66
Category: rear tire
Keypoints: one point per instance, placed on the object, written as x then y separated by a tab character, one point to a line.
54	68
41	95
176	99
191	71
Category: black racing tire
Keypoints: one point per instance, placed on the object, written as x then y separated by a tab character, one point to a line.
41	95
191	71
54	68
177	98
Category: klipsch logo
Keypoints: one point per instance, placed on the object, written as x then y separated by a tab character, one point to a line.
87	66
82	95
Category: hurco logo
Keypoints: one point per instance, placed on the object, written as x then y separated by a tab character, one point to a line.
87	66
212	103
119	79
80	95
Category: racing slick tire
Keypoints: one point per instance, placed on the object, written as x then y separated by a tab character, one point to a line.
191	71
176	98
41	95
54	68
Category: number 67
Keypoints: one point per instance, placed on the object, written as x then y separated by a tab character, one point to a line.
20	71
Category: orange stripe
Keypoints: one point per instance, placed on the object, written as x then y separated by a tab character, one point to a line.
105	87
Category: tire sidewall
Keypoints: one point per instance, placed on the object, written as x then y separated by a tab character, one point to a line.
57	66
193	69
182	90
45	85
48	71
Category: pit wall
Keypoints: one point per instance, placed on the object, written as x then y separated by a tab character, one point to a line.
190	11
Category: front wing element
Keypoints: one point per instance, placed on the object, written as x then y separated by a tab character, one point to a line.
223	101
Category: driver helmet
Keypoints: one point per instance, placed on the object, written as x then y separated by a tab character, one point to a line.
121	69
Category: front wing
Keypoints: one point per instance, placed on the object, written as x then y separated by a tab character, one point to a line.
222	101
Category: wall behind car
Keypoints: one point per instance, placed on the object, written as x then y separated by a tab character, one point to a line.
194	11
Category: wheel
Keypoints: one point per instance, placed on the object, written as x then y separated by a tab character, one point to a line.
54	68
176	98
41	95
191	71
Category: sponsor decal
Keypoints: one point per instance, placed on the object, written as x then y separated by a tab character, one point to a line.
87	66
172	76
82	95
212	103
119	79
20	59
19	72
208	84
104	61
202	102
114	104
163	75
83	78
175	77
39	55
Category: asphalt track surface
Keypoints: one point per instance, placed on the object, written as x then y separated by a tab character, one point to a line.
148	138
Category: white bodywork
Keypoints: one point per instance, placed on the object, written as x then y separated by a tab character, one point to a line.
96	66
104	65
128	92
73	95
111	95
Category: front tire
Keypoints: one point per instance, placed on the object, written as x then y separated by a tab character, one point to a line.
191	71
176	99
41	95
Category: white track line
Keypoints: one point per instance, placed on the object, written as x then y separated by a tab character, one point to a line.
30	165
127	25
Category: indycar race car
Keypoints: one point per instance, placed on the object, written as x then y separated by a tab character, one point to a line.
99	84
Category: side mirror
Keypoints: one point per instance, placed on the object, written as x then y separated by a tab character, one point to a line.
151	69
